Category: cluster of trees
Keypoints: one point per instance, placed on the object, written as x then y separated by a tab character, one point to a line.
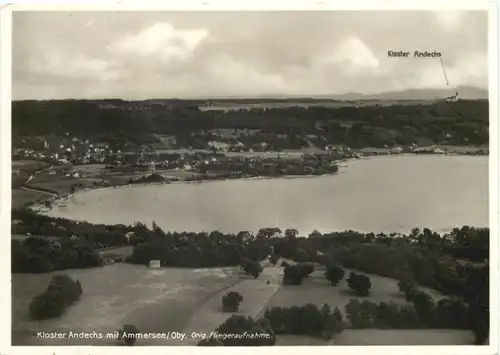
153	178
61	292
464	122
294	274
423	312
469	310
426	262
421	257
305	320
334	274
231	301
251	267
39	255
359	284
383	315
274	167
27	222
239	330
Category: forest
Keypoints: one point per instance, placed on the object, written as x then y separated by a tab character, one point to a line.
461	123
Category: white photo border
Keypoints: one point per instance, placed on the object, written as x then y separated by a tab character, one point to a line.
241	5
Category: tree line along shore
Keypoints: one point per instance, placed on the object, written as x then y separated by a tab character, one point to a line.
454	263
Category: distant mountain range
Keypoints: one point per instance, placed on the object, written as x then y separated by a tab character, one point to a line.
465	92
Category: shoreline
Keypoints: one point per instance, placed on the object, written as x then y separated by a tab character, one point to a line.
65	197
59	199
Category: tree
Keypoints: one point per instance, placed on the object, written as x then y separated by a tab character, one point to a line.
408	286
50	304
304	320
251	267
332	321
291	233
231	301
452	313
61	292
360	284
425	307
294	274
338	314
129	334
334	274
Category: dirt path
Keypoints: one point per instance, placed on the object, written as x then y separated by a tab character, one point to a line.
256	294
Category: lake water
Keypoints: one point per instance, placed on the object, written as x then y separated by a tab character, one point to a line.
382	194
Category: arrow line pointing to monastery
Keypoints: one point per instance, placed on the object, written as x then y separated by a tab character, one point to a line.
444	71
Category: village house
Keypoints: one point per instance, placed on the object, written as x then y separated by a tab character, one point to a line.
169	140
396	150
218	145
154	264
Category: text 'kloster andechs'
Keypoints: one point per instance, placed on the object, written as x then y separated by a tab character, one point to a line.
413	54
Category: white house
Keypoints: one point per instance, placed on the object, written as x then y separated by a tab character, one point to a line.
453	98
154	264
218	145
396	150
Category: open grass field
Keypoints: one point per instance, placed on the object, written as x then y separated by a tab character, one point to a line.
155	300
256	293
21	196
189	300
23	237
316	290
62	184
28	165
378	337
93	169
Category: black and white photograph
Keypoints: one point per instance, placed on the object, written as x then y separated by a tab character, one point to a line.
250	178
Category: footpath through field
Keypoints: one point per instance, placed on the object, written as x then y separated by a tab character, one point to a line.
256	294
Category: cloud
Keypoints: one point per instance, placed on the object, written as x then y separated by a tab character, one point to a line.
449	20
352	54
75	66
163	41
241	77
191	54
470	69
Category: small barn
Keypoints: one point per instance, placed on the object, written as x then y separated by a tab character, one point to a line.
154	264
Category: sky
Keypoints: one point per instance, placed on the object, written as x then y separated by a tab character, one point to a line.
138	55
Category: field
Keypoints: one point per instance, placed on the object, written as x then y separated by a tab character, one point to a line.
21	196
363	337
28	165
316	290
187	300
155	300
62	184
258	296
